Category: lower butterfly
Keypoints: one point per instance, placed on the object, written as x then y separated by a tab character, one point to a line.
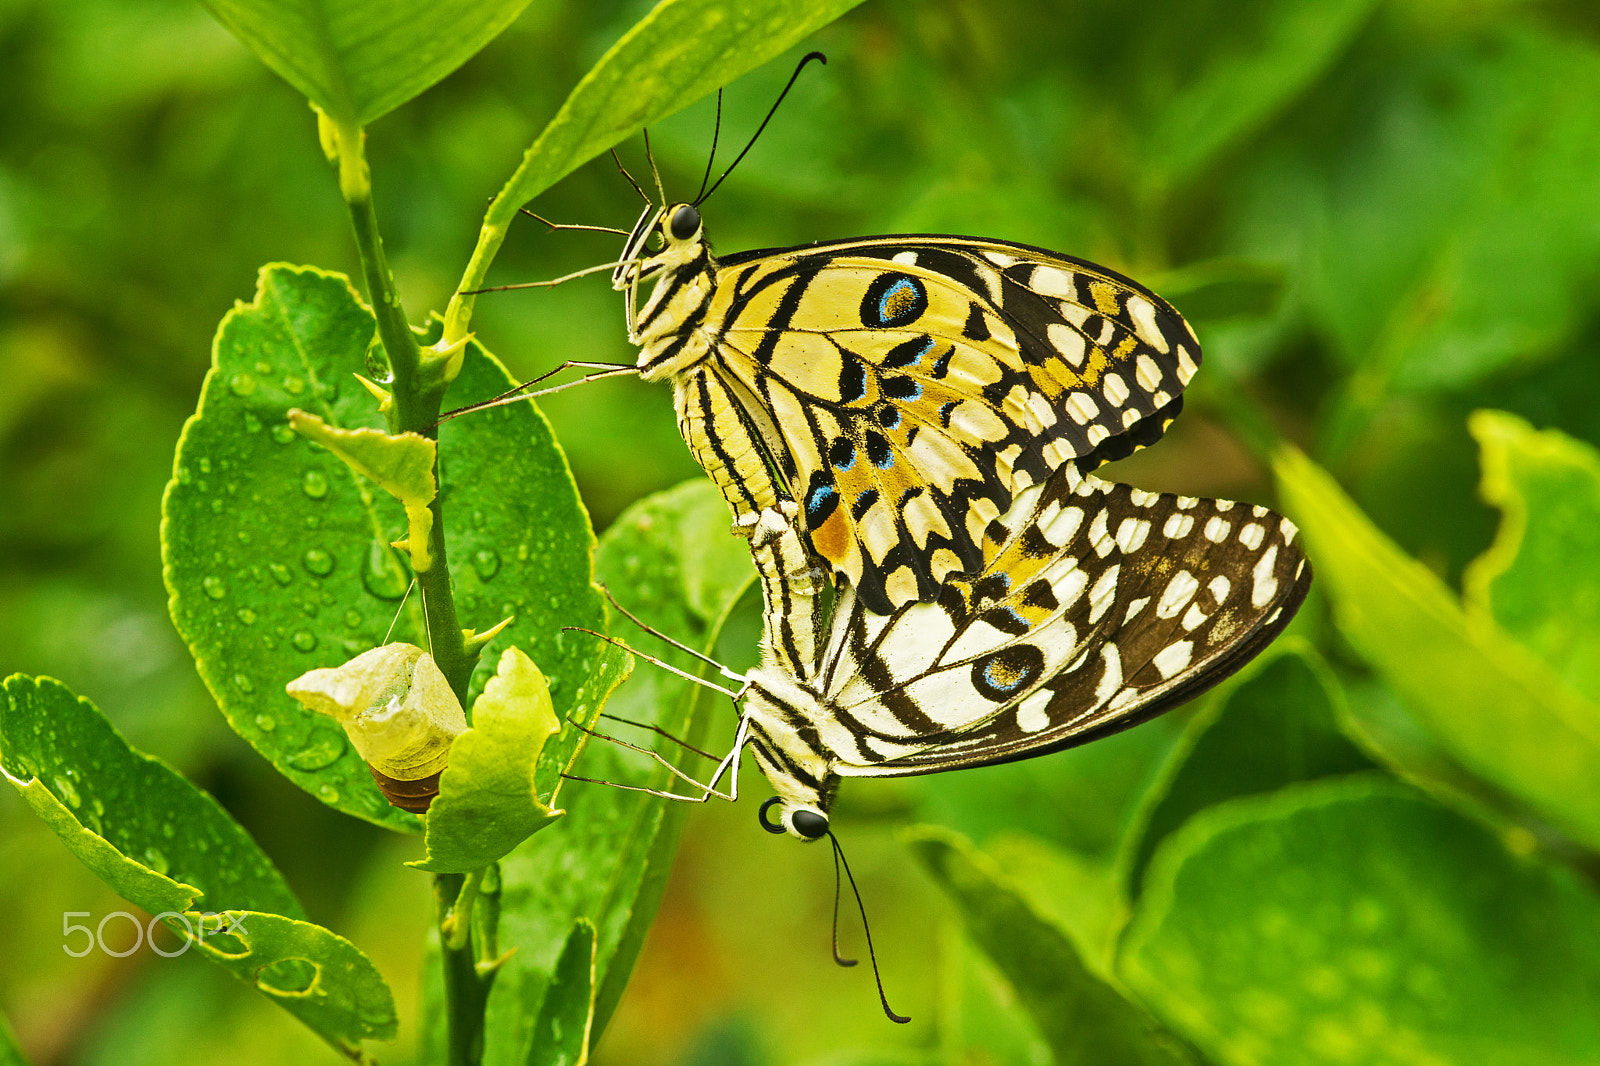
1100	607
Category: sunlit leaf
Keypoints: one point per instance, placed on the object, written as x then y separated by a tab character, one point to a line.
1354	920
167	847
1277	726
566	1017
678	53
277	556
1084	1020
358	59
1540	580
1488	700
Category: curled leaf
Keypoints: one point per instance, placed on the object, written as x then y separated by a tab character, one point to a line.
394	704
488	799
400	463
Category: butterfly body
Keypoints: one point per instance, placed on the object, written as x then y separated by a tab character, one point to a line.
902	389
1100	606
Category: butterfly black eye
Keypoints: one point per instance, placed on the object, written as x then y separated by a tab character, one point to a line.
810	824
685	221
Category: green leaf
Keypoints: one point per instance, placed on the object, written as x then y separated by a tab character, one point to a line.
277	556
1236	66
316	975
1353	920
1277	726
165	846
1083	1019
400	464
610	858
1461	166
566	1017
488	801
678	53
1490	702
1540	580
359	59
147	832
1080	894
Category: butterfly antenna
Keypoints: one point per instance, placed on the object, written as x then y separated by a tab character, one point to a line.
801	66
650	155
716	131
652	659
568	225
838	887
838	853
635	619
618	160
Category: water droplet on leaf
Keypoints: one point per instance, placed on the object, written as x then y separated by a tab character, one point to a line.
304	641
246	615
486	561
320	752
266	723
242	385
317	561
64	788
282	433
384	575
314	483
243	684
280	573
214	587
155	860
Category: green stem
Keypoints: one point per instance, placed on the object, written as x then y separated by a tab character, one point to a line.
466	991
418	386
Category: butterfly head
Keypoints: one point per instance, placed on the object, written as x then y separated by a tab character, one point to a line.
803	821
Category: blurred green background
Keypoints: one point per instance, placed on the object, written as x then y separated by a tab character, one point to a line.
1379	216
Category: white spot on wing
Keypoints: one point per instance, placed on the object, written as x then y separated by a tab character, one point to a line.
1220	587
1178	525
1252	535
1097	433
1031	716
1068	341
1052	281
1174	658
1186	367
1265	582
906	258
1102	594
1115	389
1147	374
1062	527
1111	680
1000	259
1131	534
1143	313
1288	529
1179	591
1192	618
1135	607
1099	537
1216	529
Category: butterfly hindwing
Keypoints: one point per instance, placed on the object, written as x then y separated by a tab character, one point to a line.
909	387
1102	607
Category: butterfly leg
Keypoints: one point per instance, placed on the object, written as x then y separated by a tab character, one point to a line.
707	790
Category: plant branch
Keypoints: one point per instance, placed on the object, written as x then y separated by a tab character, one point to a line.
420	379
496	221
466	990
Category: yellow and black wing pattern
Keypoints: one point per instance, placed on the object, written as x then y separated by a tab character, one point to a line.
1101	606
904	389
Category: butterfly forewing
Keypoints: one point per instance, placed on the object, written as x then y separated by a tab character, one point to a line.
909	387
1101	607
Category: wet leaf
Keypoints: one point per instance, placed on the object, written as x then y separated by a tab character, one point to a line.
1354	920
1488	700
566	1017
277	556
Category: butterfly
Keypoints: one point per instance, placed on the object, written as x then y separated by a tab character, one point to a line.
1100	606
902	389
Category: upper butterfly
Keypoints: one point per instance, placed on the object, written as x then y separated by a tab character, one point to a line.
903	389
